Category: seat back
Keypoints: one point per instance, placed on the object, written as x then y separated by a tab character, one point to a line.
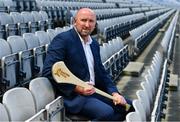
38	18
5	47
8	64
139	109
143	97
49	23
4	113
133	117
31	40
52	33
22	25
5	22
10	70
42	91
43	37
19	103
39	52
28	18
18	45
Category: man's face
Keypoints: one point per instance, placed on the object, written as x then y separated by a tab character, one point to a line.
85	23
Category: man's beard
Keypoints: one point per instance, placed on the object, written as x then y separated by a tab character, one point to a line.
85	32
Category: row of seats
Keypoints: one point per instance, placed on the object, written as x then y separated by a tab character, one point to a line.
168	39
161	97
7	6
143	34
116	12
121	26
102	13
115	57
38	103
23	56
74	5
17	23
17	5
153	96
145	96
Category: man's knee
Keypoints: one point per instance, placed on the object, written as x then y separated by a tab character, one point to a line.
107	114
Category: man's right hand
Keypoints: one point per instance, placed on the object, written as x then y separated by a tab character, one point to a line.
85	91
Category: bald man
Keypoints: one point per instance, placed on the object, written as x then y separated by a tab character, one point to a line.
81	54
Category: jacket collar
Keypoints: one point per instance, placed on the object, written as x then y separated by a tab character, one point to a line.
79	46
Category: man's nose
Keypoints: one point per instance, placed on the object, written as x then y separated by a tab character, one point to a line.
87	24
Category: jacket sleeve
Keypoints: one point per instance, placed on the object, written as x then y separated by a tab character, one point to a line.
56	52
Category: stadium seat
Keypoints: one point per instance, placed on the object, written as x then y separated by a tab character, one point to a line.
18	45
55	110
3	8
11	28
10	6
19	103
133	117
39	116
9	65
151	82
49	23
58	30
139	109
19	20
5	47
19	5
103	54
142	96
52	33
6	24
42	91
28	18
43	37
38	18
32	42
4	113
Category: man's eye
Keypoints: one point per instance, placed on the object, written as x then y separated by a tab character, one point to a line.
84	20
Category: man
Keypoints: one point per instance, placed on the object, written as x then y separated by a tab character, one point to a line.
81	54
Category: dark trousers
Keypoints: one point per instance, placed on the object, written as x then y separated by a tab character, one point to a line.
100	108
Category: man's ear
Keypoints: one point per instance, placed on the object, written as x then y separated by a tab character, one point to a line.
73	20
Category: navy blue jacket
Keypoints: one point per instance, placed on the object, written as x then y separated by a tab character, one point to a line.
67	47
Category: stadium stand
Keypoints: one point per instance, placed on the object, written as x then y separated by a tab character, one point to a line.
125	31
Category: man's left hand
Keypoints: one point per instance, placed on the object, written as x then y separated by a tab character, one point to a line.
119	99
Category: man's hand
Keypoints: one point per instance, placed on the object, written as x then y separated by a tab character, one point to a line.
119	99
85	91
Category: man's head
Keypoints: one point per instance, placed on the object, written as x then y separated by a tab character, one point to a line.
85	21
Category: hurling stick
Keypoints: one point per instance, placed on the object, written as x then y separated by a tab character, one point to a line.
61	74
